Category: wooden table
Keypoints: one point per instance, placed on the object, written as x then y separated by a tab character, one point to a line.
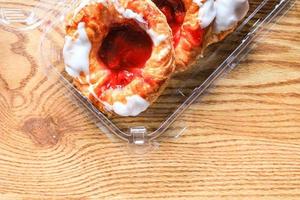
242	140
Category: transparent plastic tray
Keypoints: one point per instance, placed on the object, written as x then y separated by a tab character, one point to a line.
27	15
182	90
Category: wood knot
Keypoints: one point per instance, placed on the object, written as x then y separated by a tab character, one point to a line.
43	131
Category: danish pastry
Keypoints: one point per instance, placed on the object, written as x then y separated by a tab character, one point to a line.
199	23
119	53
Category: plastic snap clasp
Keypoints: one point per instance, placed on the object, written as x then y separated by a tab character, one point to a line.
139	135
140	142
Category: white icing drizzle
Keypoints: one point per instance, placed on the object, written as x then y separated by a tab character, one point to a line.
207	13
156	38
224	14
134	106
127	13
163	53
91	89
229	13
198	2
76	52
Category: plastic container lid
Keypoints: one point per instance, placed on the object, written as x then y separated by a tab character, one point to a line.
183	88
24	15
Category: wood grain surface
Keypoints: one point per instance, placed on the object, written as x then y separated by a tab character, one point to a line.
240	141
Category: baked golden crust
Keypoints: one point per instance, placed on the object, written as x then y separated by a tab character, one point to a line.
188	49
99	18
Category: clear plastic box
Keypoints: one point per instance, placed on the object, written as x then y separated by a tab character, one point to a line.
182	90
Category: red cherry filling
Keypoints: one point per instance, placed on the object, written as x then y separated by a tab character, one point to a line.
174	10
124	51
194	34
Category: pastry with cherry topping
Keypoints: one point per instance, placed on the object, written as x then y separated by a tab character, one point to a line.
119	53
